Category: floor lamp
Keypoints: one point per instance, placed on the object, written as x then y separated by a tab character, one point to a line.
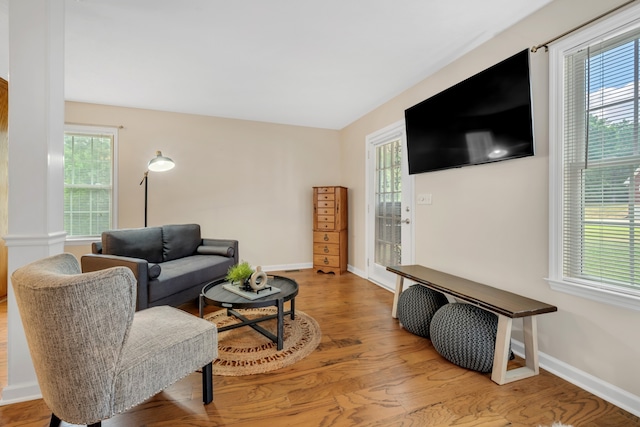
159	163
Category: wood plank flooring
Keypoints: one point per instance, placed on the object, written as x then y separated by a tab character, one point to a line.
367	371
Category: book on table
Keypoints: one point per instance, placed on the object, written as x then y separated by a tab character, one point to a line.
251	295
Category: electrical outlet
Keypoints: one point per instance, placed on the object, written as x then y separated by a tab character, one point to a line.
424	199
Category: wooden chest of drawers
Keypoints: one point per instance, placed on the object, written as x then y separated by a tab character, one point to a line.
330	229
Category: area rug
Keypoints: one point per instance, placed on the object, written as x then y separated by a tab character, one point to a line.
243	351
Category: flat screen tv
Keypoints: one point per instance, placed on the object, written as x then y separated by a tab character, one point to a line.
485	118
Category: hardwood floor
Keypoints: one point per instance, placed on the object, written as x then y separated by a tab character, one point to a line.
367	371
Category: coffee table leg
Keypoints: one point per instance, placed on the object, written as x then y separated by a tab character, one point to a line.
293	309
201	305
280	305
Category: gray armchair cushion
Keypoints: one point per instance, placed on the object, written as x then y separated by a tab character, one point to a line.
180	240
144	243
164	345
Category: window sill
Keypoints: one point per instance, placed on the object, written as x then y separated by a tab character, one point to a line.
606	296
81	241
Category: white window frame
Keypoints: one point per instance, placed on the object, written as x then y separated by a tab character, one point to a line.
611	27
99	130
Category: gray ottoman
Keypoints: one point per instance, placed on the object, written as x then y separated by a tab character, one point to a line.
465	335
416	307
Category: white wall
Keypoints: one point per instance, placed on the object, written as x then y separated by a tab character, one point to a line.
489	223
4	39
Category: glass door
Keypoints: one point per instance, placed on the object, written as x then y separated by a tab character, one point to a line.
389	208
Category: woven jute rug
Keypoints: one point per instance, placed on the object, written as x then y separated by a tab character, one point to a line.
244	351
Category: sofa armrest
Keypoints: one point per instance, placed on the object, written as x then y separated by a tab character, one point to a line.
224	242
139	267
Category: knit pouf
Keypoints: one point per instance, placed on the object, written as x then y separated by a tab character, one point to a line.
465	335
416	307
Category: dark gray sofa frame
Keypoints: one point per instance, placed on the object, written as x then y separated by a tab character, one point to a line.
171	263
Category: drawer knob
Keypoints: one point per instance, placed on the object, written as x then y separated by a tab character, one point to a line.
326	261
326	250
326	238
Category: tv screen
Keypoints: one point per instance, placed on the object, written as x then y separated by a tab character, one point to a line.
485	118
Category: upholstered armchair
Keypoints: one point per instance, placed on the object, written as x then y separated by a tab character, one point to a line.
94	356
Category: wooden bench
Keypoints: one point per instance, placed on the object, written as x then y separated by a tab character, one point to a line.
506	305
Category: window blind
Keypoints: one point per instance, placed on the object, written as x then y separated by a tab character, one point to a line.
88	183
601	164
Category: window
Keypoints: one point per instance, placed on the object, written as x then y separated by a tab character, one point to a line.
595	162
89	181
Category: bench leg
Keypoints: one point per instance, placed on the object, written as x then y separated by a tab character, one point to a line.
499	373
531	343
396	296
501	350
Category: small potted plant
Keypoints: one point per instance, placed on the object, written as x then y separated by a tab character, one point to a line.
239	274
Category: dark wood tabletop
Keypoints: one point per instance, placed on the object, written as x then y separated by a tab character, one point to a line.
487	297
215	294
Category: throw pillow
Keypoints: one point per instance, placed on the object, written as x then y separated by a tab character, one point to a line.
215	250
154	271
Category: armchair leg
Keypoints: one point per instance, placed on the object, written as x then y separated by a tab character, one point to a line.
55	422
207	383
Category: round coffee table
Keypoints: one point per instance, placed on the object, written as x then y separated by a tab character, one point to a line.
213	293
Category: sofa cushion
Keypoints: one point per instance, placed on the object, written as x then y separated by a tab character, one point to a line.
179	241
144	243
193	270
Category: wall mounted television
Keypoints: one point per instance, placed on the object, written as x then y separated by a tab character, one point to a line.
485	118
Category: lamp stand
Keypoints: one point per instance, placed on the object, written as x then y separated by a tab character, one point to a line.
145	179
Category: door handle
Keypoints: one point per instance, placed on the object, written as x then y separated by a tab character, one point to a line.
406	221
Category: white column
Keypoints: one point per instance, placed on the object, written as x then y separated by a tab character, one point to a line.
36	134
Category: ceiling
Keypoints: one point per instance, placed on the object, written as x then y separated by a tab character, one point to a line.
300	62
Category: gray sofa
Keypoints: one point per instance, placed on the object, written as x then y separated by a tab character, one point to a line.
171	263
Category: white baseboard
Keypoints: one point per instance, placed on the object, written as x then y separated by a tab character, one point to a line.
302	266
20	393
615	395
285	267
356	271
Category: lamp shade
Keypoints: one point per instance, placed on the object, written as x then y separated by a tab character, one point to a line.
160	163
